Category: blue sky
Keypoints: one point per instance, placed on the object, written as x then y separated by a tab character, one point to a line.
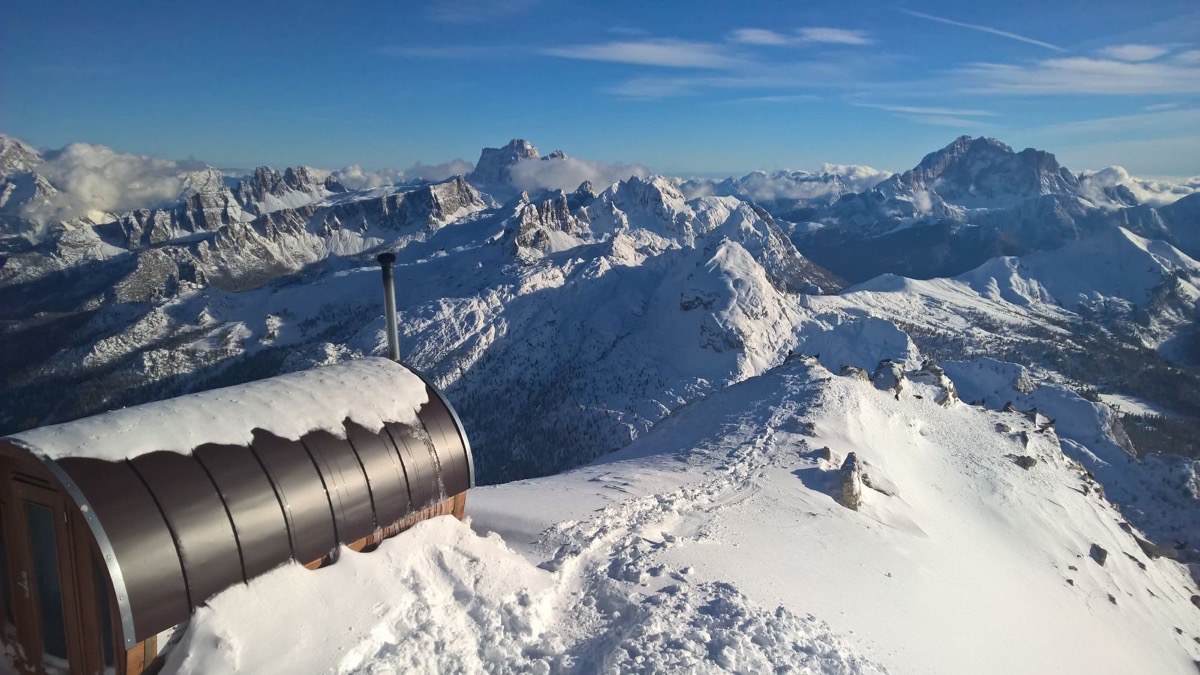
682	87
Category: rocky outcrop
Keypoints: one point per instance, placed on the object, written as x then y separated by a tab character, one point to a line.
537	222
850	483
932	374
855	372
494	167
889	376
1024	461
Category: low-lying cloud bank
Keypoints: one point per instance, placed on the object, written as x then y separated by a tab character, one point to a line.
98	182
567	173
1146	190
355	177
97	178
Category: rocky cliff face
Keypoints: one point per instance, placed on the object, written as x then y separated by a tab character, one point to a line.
495	164
972	200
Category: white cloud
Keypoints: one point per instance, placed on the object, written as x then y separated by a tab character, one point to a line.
662	52
1190	57
763	37
355	177
761	186
1147	191
1084	75
1133	52
983	29
919	110
856	176
1159	120
759	36
97	178
840	36
436	172
650	88
567	173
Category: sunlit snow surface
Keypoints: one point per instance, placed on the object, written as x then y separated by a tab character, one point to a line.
368	391
713	543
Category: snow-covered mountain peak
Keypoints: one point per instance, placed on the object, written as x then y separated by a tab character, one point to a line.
1114	264
267	190
985	173
494	167
17	156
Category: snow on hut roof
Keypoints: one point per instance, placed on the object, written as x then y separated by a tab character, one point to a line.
369	391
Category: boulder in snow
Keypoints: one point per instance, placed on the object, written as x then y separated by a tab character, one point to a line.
889	376
851	483
855	372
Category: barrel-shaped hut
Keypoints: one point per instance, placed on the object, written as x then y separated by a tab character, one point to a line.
114	528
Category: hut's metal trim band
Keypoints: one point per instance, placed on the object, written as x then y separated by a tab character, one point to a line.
105	545
462	431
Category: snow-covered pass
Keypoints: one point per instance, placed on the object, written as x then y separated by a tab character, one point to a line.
122	524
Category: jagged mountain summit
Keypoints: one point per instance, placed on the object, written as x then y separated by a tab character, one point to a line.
972	200
494	168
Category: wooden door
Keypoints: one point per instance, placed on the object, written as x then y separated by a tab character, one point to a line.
42	581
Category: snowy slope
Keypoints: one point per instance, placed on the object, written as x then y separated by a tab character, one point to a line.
713	542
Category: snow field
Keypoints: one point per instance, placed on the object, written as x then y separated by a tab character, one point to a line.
713	543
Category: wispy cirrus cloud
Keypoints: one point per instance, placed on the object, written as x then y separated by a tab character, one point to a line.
919	110
1158	120
666	53
1157	107
802	36
839	36
1133	52
1189	57
958	118
760	36
983	29
772	80
777	98
1083	75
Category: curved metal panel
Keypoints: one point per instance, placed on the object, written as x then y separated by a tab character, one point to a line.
302	493
458	425
258	523
141	542
418	464
385	476
198	520
346	483
112	563
448	445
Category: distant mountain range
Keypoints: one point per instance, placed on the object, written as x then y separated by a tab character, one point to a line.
565	323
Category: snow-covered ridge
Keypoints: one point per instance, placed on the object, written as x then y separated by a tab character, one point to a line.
718	542
369	392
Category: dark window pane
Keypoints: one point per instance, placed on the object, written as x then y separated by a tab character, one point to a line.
49	589
5	590
106	635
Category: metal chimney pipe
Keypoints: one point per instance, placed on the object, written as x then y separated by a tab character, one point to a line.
386	260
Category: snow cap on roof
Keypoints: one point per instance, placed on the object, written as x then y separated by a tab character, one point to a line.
369	391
